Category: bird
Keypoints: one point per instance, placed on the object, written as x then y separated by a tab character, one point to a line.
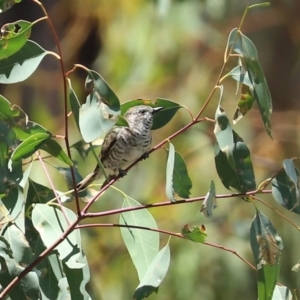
124	145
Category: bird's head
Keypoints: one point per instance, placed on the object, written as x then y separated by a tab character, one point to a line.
141	116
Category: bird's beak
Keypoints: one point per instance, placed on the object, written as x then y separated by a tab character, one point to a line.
156	109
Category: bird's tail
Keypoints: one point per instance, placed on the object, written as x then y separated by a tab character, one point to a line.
85	182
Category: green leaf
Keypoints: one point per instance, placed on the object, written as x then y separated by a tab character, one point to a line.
154	275
94	81
181	179
22	64
209	203
239	74
51	272
51	224
19	245
6	111
161	118
259	87
77	280
223	132
38	193
13	37
198	234
25	130
28	286
266	246
74	103
53	148
142	245
244	105
29	146
9	179
169	173
7	4
290	170
232	156
284	190
100	111
241	177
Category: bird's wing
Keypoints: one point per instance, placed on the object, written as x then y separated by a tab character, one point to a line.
109	142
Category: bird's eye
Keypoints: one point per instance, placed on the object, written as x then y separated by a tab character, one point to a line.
142	111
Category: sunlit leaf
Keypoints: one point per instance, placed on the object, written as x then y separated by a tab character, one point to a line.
13	37
142	245
239	74
51	224
154	275
223	131
209	203
28	286
100	111
106	95
161	118
281	293
232	156
29	146
19	245
266	246
197	234
22	64
244	105
259	87
169	173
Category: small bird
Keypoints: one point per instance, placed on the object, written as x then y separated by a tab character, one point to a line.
124	145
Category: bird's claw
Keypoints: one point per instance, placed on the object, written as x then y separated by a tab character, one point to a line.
145	155
122	172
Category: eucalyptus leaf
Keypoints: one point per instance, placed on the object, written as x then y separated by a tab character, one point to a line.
169	173
209	203
142	245
259	87
284	190
13	37
197	234
53	148
51	224
22	64
154	275
266	246
240	178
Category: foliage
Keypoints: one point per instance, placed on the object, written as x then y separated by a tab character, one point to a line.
41	250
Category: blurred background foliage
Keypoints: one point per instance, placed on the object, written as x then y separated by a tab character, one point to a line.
173	49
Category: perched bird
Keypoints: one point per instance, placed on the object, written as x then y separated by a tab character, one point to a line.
124	145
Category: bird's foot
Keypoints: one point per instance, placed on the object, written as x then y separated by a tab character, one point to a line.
122	172
145	155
